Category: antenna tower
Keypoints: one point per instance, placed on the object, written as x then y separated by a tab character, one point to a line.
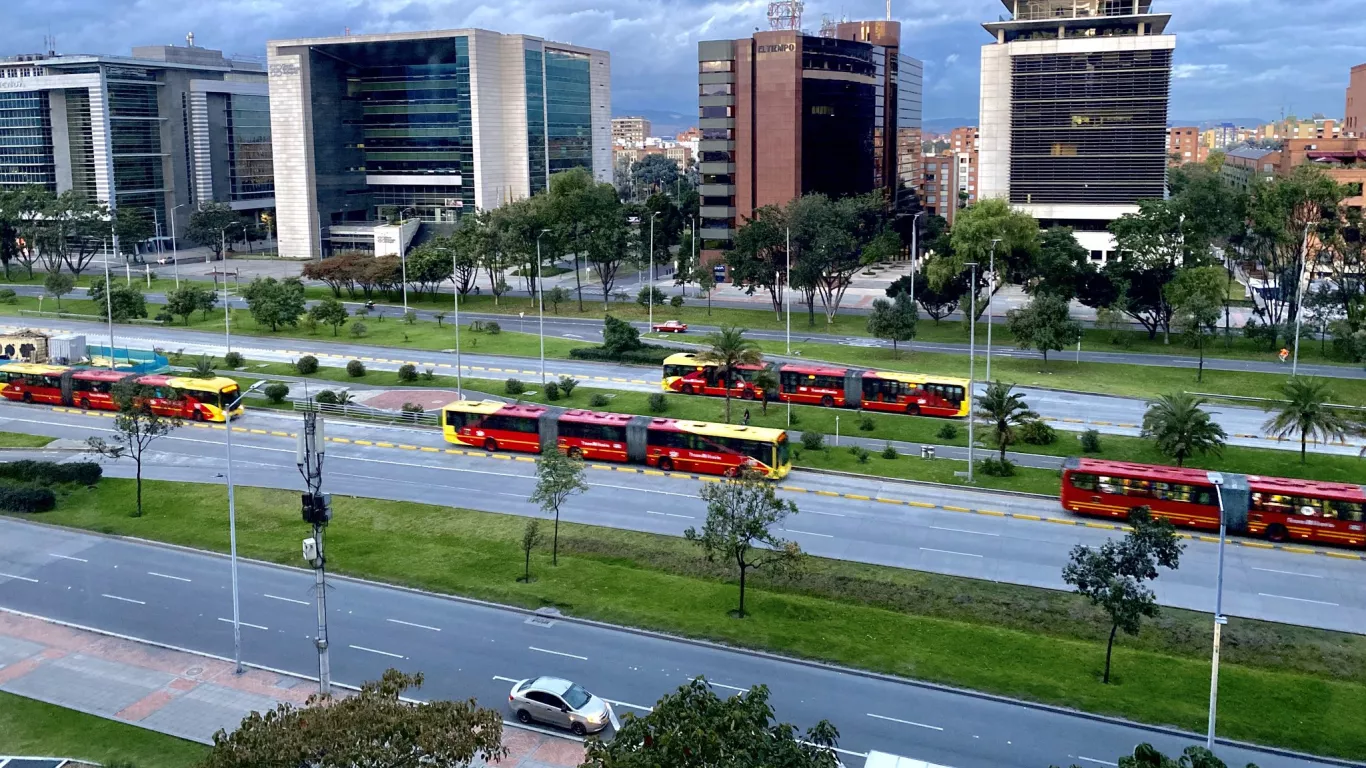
785	14
827	26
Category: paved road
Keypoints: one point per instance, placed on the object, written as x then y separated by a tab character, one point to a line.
1067	410
182	598
1008	539
590	330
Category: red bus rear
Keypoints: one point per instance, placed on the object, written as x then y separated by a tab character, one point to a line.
812	385
593	435
1306	510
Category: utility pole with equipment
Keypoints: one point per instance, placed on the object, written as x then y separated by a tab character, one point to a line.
317	511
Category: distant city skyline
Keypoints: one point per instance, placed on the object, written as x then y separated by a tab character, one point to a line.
1288	56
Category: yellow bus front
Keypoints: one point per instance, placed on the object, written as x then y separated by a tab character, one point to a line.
213	397
461	413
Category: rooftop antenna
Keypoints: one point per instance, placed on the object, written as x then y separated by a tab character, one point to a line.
889	10
785	14
189	40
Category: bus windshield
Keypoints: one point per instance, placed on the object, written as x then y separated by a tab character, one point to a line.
227	396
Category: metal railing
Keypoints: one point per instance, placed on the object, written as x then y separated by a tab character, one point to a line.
357	412
87	316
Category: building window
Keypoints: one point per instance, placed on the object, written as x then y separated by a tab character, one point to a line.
717	66
715	89
535	122
569	126
711	112
251	173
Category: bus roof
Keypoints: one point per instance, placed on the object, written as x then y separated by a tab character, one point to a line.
215	384
1134	469
812	370
1293	487
916	378
33	369
493	406
762	434
100	374
682	358
596	417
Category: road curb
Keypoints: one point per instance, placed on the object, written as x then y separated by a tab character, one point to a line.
766	655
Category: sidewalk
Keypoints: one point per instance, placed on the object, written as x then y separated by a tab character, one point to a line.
179	693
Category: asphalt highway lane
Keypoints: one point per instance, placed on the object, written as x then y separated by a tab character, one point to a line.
182	598
977	534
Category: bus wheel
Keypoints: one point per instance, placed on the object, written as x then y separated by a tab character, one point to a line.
747	394
28	397
490	445
196	415
85	404
828	402
1277	532
913	410
687	389
666	464
575	453
732	471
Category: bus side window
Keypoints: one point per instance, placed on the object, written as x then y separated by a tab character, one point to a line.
1084	481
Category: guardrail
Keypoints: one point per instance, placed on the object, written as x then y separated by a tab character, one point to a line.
1246	399
86	316
366	413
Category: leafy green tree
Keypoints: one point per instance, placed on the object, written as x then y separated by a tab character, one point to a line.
1045	323
125	302
134	226
1151	240
28	207
974	229
706	283
210	225
558	476
582	210
205	300
1197	296
275	302
203	368
741	514
58	284
938	302
375	727
1058	264
137	425
728	350
686	269
669	225
1113	575
1305	412
695	728
531	538
758	259
832	239
765	382
1003	412
619	336
1182	428
893	320
655	172
331	312
429	265
555	297
183	301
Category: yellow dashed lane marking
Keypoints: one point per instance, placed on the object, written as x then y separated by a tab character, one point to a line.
407	447
1342	555
519	458
955	509
655	472
1257	544
990	512
921	504
338	440
279	434
827	493
384	445
889	501
426	449
792	488
858	497
1299	550
1020	516
364	442
1056	520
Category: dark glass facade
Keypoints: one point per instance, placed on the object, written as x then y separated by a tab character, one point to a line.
840	116
80	132
1089	127
535	120
910	78
26	140
569	126
135	141
250	171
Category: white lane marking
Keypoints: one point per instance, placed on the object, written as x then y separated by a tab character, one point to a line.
685	517
906	722
729	687
245	624
559	653
809	533
1288	573
21	578
382	653
963	530
618	487
628	704
124	599
68	557
849	752
1298	599
410	624
286	599
572	335
506	679
827	514
948	552
164	576
1093	760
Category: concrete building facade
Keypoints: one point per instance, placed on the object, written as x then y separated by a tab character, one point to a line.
1073	121
784	114
158	132
1186	145
630	131
431	125
1354	117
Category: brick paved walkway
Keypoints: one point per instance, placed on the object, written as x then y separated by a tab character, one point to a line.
177	693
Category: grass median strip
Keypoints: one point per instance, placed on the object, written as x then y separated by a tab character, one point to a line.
29	727
20	440
1281	685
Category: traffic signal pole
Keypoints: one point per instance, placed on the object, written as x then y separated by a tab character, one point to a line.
317	510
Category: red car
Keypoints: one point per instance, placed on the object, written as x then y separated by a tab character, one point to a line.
670	326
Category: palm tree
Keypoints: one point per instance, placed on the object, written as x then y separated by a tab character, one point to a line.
1306	411
1003	411
203	368
728	349
1182	428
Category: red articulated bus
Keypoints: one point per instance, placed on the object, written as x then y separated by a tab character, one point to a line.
180	396
1278	508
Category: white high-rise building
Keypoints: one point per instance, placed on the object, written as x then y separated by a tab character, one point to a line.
427	126
1073	122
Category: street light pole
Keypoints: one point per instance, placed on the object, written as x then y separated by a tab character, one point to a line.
175	252
972	365
403	258
915	248
787	307
1299	302
990	314
455	286
232	503
1218	480
651	292
108	300
540	298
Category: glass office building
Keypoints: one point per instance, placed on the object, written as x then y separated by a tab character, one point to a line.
26	140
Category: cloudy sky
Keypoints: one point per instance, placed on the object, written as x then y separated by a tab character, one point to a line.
1235	58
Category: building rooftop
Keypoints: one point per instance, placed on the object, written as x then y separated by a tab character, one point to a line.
1249	153
1026	16
167	56
425	34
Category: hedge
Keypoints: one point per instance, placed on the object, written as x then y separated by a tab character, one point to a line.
648	355
48	472
26	498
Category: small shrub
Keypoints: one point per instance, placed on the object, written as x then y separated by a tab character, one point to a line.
657	402
514	387
865	423
676	301
276	391
429	374
599	400
177	356
1038	433
552	391
407	372
410	317
796	419
948	432
48	472
326	397
1090	441
306	365
412	408
309	323
567	384
996	467
358	330
8	296
440	318
355	369
164	317
486	326
813	441
27	499
233	360
859	453
890	453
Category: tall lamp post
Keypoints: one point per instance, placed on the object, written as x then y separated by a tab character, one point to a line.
175	252
232	511
972	365
403	257
990	314
1218	480
540	297
1299	302
915	248
651	292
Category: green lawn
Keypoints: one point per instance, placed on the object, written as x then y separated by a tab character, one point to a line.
20	440
1280	685
29	727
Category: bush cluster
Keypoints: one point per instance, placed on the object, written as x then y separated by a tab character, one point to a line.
813	441
647	355
599	400
552	391
567	384
948	432
996	467
306	365
26	499
514	387
326	397
355	369
859	453
1090	441
657	402
49	472
486	326
407	372
276	391
233	360
889	452
865	423
1038	433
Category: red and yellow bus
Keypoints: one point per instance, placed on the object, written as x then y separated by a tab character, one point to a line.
1278	508
92	388
828	386
668	444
